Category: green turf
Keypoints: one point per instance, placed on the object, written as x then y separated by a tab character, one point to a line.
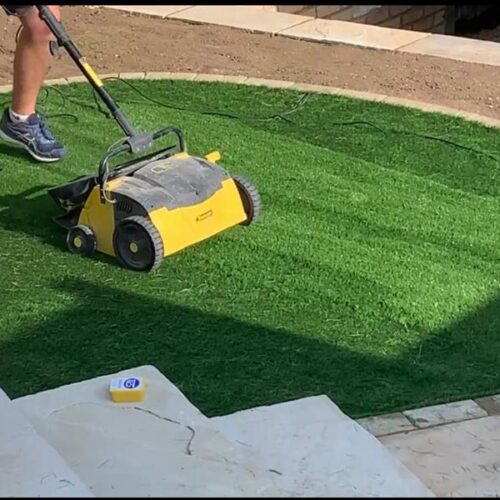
372	276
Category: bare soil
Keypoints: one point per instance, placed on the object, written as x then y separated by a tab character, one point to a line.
115	41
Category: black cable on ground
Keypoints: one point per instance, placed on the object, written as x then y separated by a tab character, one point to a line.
301	103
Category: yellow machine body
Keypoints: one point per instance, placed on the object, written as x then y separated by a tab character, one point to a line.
183	227
178	228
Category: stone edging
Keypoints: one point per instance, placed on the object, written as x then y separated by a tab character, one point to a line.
431	416
280	84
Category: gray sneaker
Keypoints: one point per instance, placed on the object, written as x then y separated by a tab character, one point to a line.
34	136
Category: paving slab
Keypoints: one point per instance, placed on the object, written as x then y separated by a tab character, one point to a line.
152	10
317	450
160	75
132	76
445	413
29	466
242	17
322	30
161	447
458	48
460	459
56	81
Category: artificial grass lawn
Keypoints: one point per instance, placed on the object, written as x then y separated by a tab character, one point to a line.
371	277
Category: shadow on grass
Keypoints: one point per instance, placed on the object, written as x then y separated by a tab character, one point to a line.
31	212
223	364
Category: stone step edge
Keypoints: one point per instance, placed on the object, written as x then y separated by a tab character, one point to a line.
444	414
282	84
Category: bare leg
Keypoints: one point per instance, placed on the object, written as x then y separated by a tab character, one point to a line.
20	124
32	60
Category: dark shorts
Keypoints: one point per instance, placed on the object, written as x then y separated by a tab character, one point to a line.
16	10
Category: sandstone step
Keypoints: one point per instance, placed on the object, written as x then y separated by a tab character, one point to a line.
317	450
161	447
29	466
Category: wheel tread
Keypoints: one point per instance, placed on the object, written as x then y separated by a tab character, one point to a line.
154	235
247	189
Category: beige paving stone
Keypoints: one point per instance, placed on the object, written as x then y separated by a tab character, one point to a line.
5	89
459	460
56	81
152	10
242	17
183	76
132	76
160	75
386	424
446	413
365	35
76	79
458	48
358	94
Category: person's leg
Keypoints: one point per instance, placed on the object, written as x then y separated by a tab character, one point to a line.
32	59
20	124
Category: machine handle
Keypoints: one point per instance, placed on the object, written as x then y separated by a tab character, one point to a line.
126	147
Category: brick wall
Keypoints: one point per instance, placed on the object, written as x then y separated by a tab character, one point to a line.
428	18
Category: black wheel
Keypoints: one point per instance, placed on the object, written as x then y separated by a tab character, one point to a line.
138	245
81	240
250	198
